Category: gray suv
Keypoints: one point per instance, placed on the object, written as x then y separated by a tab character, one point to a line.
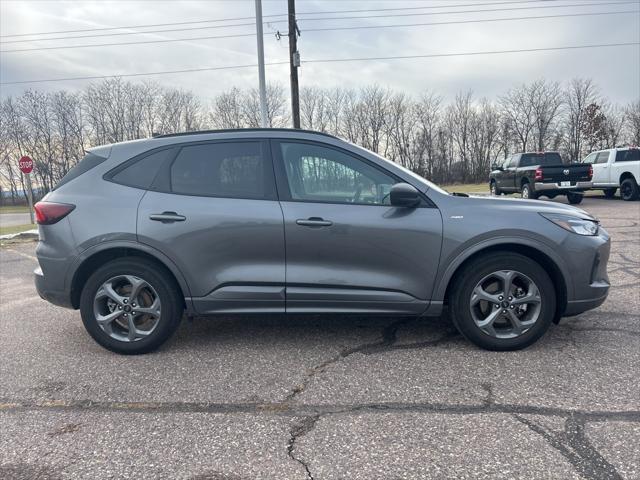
291	221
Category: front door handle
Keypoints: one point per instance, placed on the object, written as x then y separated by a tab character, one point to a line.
314	222
167	217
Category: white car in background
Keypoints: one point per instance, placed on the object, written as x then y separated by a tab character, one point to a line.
616	168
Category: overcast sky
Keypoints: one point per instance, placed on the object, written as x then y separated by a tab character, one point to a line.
615	69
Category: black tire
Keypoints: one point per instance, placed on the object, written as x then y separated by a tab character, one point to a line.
609	192
171	304
467	279
629	190
527	192
551	196
574	198
493	188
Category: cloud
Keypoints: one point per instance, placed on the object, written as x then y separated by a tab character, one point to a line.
616	70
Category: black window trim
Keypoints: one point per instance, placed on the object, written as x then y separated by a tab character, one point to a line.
282	184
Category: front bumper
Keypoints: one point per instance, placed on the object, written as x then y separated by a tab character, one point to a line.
541	187
588	267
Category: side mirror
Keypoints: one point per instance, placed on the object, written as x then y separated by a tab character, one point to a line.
404	195
496	166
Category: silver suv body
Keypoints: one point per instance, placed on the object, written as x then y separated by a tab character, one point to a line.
282	221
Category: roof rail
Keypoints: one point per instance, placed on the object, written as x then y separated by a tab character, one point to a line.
231	130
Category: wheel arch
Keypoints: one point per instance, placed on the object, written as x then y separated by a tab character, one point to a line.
626	175
551	265
95	257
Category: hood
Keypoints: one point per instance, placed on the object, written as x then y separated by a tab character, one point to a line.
536	206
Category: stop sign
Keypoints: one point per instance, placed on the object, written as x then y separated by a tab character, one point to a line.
25	164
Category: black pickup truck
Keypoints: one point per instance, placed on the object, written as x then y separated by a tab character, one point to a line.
540	173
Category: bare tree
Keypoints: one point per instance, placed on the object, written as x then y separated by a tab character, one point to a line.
580	93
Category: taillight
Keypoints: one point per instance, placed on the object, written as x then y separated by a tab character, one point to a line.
590	172
48	213
539	175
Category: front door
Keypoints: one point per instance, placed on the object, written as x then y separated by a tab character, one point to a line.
347	248
213	211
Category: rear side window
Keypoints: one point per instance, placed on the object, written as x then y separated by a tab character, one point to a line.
89	161
603	157
631	155
225	169
142	171
550	158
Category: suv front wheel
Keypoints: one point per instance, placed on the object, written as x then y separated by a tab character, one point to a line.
502	301
130	306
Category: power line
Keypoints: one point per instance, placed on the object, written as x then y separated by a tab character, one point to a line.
494	52
453	22
589	4
329	60
253	18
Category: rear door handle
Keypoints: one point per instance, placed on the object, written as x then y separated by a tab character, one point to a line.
167	217
314	222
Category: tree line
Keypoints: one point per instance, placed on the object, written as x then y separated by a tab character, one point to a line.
447	142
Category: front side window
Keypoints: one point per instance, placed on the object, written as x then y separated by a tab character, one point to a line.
225	169
591	158
320	174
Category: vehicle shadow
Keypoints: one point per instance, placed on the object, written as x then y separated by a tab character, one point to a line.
366	334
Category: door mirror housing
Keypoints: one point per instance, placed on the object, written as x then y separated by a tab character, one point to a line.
496	166
404	195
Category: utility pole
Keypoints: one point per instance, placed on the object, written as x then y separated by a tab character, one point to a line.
261	77
294	63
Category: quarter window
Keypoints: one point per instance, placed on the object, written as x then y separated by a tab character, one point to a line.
225	169
320	174
141	173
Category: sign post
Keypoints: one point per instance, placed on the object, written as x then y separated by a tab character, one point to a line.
26	166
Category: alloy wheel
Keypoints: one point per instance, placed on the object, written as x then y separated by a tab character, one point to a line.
127	308
505	304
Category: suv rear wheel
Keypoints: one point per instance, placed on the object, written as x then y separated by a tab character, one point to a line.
527	192
130	306
502	301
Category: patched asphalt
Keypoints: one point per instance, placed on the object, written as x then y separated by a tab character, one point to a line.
323	397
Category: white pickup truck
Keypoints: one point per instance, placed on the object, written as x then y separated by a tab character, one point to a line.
616	168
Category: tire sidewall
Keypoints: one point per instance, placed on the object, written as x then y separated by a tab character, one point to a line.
526	187
484	266
632	188
170	306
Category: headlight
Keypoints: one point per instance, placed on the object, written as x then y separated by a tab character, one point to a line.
581	226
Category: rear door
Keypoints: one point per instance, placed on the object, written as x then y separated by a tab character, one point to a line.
347	248
601	168
213	211
509	174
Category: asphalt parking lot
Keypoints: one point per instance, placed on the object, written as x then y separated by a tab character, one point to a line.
323	397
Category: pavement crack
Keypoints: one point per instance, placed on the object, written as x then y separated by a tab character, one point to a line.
573	445
389	337
297	431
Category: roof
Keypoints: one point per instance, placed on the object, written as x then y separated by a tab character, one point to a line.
232	130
